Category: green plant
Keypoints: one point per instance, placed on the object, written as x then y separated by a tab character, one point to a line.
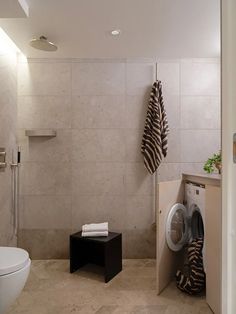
212	163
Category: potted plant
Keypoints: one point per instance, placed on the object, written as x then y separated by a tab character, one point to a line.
213	163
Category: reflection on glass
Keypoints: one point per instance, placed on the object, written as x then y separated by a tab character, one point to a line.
177	226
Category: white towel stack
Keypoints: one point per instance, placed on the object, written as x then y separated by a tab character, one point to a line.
95	230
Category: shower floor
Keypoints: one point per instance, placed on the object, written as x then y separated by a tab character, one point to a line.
51	289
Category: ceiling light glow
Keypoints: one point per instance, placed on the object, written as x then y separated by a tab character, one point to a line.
115	32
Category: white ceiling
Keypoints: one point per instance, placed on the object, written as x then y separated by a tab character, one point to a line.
150	28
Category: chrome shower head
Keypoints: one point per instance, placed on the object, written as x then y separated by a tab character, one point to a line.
42	43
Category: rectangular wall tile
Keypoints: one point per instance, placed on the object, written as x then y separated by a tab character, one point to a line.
45	178
98	145
133	141
174	147
169	172
199	145
200	112
98	112
44	112
44	79
136	111
98	79
140	77
45	212
169	74
46	149
172	107
200	78
92	178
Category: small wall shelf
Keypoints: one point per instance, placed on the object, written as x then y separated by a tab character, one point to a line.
41	132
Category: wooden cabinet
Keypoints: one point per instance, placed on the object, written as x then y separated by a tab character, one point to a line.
169	193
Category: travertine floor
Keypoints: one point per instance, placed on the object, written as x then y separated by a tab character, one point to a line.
51	289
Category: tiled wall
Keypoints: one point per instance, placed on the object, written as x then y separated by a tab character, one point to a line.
8	134
93	170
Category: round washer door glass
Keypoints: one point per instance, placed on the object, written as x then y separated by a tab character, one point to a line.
177	227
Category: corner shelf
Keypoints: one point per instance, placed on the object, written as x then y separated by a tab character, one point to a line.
41	132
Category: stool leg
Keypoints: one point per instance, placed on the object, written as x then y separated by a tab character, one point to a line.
113	258
77	256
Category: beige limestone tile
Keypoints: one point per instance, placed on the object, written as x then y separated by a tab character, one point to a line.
168	172
169	74
98	145
199	145
200	78
46	149
135	111
140	243
172	107
174	147
44	79
45	244
137	179
98	112
44	112
139	212
45	178
93	178
140	77
192	168
100	208
133	141
150	309
198	112
45	212
98	78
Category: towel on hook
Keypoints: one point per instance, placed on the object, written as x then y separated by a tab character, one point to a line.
154	142
95	227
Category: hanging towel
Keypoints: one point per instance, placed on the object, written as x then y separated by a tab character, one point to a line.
154	142
95	227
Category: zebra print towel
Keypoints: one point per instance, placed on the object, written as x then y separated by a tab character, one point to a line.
195	282
154	142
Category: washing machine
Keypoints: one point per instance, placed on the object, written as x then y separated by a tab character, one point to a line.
186	221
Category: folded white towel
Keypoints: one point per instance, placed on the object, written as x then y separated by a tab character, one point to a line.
95	227
95	234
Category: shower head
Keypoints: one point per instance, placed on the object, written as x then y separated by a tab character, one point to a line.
42	43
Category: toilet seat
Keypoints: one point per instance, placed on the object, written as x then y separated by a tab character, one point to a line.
12	259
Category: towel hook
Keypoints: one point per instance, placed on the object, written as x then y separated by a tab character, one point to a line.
156	71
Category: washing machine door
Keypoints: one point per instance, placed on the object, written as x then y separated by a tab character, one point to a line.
177	227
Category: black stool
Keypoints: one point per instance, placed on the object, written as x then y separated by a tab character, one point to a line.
102	251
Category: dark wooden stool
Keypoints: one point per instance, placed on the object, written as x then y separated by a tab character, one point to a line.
102	251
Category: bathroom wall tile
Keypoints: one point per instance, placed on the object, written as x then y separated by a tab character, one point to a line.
98	145
99	208
199	112
192	167
45	212
93	178
44	112
168	74
133	141
137	180
98	79
140	77
45	244
174	147
135	111
140	243
172	107
169	172
139	212
44	78
46	178
44	149
98	112
206	142
200	78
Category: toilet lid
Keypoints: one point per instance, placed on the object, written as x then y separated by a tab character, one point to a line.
12	259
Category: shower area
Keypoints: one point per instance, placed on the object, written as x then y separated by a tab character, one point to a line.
79	125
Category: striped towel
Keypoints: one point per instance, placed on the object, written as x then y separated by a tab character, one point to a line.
154	142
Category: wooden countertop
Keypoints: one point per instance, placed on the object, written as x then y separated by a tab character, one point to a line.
205	179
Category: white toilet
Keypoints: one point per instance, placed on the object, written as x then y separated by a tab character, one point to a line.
14	271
